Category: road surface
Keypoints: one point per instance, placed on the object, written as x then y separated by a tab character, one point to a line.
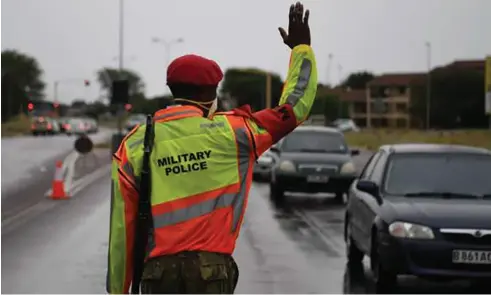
26	158
62	246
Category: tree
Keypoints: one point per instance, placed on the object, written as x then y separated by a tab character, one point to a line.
105	77
21	82
248	86
456	101
357	80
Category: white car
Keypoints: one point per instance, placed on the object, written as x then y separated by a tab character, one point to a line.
262	168
345	125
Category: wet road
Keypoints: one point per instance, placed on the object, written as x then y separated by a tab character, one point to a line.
295	249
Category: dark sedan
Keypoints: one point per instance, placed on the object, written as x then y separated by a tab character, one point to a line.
423	210
312	159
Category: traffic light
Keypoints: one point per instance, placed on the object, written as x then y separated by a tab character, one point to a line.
86	83
128	107
30	106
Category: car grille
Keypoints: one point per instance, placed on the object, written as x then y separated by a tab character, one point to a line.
318	169
467	239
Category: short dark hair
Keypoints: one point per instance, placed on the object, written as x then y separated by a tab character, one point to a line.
190	91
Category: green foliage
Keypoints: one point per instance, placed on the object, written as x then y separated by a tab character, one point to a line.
330	106
105	77
357	80
21	82
248	86
456	101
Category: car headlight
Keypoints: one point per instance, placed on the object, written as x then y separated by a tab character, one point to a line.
410	231
265	160
287	166
348	168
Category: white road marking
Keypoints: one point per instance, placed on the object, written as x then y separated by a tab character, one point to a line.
43	205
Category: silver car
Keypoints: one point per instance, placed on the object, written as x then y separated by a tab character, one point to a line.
262	168
76	126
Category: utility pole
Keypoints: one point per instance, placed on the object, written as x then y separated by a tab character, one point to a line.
340	71
121	34
428	88
329	64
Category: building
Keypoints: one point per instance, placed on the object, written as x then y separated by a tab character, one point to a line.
388	99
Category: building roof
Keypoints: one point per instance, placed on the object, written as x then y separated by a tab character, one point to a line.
354	95
396	79
476	64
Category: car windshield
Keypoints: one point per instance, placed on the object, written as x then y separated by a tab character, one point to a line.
439	175
315	141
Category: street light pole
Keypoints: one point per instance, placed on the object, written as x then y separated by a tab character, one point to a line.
167	46
428	88
121	34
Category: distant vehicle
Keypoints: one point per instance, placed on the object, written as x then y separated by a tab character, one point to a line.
312	159
76	126
262	169
423	210
91	125
44	126
62	122
133	120
345	125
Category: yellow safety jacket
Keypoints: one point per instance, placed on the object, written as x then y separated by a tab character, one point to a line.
201	172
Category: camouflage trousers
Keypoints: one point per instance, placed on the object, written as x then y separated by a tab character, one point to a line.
190	273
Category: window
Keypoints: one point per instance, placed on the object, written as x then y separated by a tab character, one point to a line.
379	168
315	141
367	170
455	173
401	107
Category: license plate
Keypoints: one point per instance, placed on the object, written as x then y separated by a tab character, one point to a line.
471	257
318	178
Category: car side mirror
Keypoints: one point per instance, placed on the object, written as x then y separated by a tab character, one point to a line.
355	152
369	187
275	149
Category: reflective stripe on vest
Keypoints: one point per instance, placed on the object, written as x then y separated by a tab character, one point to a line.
235	200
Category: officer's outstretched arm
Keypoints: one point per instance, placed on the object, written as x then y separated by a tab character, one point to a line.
297	98
124	206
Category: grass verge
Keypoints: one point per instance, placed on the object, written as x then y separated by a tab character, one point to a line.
371	139
17	126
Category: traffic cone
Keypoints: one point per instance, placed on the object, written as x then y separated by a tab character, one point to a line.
58	187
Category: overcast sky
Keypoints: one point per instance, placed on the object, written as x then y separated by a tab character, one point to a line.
74	38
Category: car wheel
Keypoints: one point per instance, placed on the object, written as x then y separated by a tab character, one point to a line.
385	280
276	193
353	253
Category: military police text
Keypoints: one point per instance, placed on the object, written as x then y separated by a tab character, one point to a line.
185	163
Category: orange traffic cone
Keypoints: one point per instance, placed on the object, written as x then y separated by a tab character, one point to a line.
58	187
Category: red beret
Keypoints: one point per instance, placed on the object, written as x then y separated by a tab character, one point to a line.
194	69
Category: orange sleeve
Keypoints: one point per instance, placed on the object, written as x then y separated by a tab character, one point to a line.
123	222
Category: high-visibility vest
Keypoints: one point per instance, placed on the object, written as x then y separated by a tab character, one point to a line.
201	172
194	156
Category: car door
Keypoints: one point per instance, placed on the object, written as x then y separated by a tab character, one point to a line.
369	204
356	204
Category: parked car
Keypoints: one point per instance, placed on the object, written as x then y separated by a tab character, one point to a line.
423	210
262	168
312	159
76	126
345	125
44	126
133	120
92	125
